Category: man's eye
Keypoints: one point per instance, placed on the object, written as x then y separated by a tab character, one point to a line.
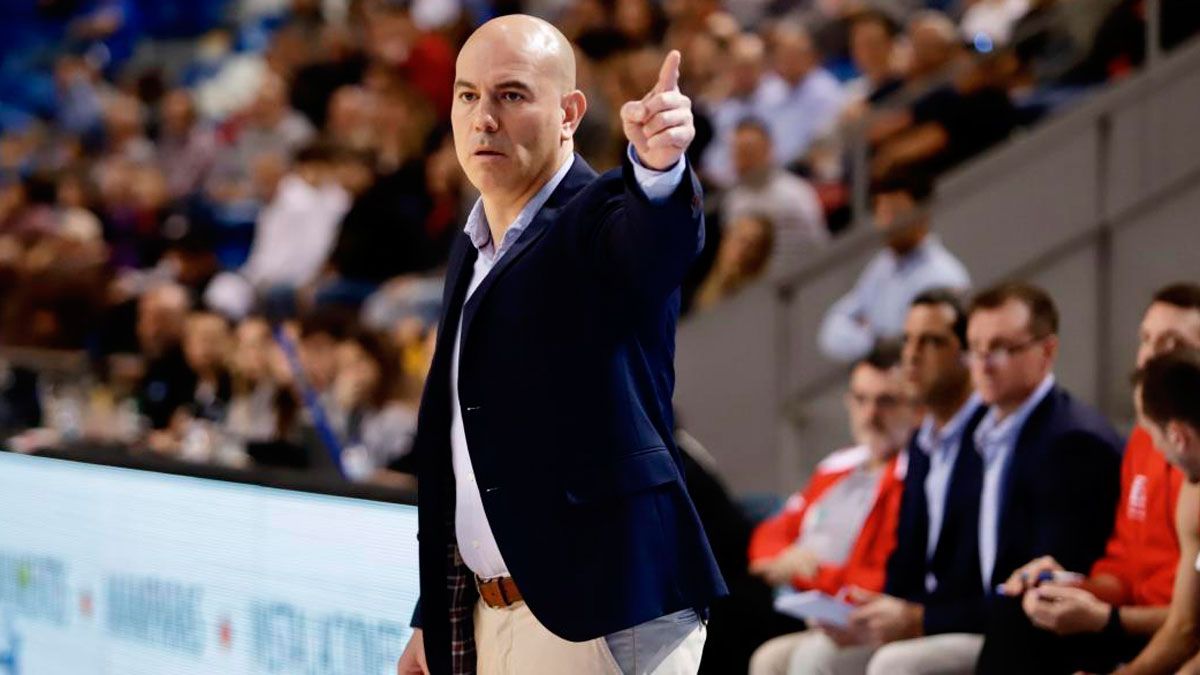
466	97
511	96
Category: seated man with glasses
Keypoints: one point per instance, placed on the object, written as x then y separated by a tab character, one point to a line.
1111	615
1051	470
838	532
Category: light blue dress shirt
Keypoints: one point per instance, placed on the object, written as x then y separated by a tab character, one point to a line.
941	447
877	305
476	543
805	112
995	440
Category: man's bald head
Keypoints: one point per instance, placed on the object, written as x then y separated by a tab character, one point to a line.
515	107
538	40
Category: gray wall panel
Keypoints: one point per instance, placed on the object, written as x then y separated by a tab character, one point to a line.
726	386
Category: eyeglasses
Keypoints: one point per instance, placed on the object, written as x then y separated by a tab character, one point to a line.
1001	354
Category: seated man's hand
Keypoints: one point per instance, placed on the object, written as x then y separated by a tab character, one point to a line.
1065	610
1025	577
885	619
842	637
794	561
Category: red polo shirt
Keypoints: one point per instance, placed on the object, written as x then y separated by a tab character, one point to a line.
1143	550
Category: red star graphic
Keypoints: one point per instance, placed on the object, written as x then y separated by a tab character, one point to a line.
225	632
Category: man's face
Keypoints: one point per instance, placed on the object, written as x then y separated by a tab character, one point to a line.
793	56
1165	328
751	151
881	416
1007	361
933	361
508	115
871	48
159	324
318	356
897	214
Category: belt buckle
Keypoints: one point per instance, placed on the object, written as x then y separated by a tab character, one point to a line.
479	584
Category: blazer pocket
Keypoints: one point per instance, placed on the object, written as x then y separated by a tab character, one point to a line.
641	470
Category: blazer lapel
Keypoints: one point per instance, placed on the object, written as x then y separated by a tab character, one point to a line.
579	175
1028	440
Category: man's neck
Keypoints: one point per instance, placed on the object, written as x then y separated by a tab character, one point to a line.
947	407
878	461
502	210
1006	409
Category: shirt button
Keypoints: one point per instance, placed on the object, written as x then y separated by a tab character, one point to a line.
475	544
471	476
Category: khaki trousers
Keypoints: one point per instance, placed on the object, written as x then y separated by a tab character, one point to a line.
511	641
813	653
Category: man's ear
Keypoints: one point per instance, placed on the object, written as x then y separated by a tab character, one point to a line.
1183	435
574	106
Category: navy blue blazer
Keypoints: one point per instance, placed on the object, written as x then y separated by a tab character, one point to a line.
1059	499
566	374
955	560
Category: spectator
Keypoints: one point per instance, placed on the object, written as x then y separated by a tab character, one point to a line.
839	531
382	236
293	237
872	38
376	426
206	343
745	91
913	261
1124	601
267	125
741	259
186	148
934	44
168	382
1050	479
812	97
950	124
255	364
1167	389
787	201
125	130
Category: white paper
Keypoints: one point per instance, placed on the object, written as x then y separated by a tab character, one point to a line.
815	607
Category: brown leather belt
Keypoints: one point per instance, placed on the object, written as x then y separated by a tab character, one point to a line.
498	593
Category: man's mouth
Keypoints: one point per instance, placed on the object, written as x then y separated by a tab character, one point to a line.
488	152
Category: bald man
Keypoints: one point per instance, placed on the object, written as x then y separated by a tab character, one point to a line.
556	532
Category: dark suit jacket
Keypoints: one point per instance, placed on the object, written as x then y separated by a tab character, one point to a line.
566	377
953	605
1059	499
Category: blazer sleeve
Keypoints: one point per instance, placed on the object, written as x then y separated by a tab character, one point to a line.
646	247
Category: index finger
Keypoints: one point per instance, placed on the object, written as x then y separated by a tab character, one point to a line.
668	75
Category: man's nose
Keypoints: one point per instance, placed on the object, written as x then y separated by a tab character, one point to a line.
485	117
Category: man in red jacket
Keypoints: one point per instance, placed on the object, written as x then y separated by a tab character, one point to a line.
839	531
1113	613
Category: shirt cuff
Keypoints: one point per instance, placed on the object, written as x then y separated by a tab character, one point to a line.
656	185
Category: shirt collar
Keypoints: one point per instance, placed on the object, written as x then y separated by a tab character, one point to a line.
477	225
918	253
992	433
930	441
